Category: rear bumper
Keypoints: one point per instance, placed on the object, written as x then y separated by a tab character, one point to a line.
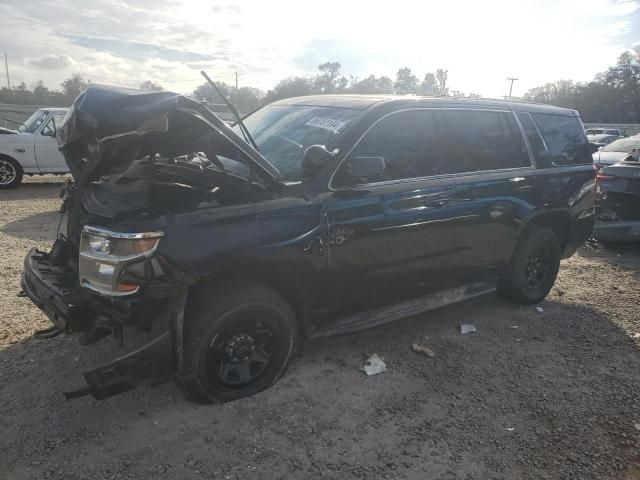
623	231
581	230
73	309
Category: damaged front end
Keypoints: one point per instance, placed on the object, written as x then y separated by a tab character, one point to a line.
138	160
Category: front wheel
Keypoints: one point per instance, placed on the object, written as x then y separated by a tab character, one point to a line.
10	172
533	268
237	342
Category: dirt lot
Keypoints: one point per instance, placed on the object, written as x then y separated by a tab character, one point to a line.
557	397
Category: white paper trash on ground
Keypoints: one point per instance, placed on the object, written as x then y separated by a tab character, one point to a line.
374	365
467	328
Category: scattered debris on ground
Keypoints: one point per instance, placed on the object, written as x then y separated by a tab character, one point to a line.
570	389
467	328
424	350
374	365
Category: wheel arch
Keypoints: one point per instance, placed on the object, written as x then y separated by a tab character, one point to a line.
559	221
284	278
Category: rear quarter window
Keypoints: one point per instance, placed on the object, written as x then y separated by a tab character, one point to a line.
564	137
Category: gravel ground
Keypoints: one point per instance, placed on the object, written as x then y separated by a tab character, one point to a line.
557	397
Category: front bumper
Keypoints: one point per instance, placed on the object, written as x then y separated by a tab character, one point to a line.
618	231
46	287
73	309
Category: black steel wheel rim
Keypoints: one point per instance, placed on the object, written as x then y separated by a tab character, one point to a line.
538	267
7	172
242	349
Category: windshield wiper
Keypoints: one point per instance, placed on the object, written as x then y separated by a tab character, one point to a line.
243	128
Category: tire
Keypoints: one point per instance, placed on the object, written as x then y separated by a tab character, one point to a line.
533	267
237	342
10	173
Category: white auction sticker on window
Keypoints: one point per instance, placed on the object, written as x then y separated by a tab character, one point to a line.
326	123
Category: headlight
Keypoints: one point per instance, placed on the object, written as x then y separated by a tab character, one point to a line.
105	254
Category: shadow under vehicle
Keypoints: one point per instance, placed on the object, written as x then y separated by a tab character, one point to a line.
315	216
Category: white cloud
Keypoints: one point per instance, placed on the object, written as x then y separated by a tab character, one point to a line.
480	43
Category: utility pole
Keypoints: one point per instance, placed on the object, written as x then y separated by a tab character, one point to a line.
6	66
511	87
236	102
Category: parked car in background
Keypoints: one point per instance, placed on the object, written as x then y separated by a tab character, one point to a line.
599	141
616	151
349	212
616	132
618	203
32	148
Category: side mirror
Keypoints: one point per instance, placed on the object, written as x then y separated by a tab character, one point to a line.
315	159
48	132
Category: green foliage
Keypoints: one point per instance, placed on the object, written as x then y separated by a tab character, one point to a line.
72	87
372	84
429	85
406	82
290	87
612	97
441	80
149	85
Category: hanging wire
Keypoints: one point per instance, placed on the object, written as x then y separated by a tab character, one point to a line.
59	225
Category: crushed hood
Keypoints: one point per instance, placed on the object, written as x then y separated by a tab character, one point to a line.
107	128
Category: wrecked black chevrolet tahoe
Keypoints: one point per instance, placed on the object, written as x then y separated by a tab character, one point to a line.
350	212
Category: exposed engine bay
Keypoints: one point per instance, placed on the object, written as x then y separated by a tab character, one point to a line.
155	186
147	154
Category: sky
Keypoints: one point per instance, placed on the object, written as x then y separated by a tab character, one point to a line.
480	43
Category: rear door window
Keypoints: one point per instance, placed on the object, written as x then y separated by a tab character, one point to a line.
475	140
565	139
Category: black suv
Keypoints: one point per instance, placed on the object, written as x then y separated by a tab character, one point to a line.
318	215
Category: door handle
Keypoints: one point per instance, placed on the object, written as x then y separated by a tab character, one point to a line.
19	150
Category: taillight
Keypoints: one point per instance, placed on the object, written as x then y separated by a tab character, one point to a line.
604	176
600	177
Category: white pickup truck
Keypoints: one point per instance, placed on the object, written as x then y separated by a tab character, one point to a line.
32	148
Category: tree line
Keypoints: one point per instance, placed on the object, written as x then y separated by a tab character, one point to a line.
328	80
613	96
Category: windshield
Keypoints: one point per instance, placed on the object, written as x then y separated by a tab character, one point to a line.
595	131
283	132
33	122
624	145
605	139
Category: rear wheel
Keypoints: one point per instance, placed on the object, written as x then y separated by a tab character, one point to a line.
533	268
237	342
10	172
